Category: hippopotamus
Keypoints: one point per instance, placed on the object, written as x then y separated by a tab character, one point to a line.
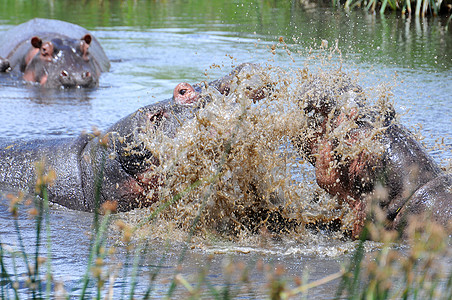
119	157
398	175
53	54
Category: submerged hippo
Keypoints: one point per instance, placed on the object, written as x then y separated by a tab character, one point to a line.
53	54
119	155
398	174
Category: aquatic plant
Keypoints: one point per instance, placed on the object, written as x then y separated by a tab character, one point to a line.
413	270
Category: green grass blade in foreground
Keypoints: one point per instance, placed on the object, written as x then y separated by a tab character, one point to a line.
35	278
99	240
138	259
5	278
49	245
153	275
41	201
98	185
21	245
351	278
125	274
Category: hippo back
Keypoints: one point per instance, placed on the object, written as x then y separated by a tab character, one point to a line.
18	168
14	43
434	198
408	167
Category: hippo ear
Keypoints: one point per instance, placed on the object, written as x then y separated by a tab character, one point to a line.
87	38
36	42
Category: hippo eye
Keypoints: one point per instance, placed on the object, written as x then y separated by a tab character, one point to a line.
64	73
183	91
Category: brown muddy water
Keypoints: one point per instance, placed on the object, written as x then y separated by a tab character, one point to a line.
153	46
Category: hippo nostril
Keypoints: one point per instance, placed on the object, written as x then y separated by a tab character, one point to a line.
86	75
225	90
183	91
64	73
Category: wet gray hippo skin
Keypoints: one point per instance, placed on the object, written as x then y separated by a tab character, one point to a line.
413	183
416	184
53	54
77	162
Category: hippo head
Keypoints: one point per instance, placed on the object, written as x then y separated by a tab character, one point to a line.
131	171
130	175
61	62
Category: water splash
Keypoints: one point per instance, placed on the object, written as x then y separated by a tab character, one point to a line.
244	166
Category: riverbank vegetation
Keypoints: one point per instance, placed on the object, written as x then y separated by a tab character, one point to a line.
411	7
160	13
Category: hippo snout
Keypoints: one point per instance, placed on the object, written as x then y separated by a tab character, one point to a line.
82	79
86	75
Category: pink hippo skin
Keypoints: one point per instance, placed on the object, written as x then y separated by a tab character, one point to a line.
403	180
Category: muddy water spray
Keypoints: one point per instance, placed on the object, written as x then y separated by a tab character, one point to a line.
242	158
